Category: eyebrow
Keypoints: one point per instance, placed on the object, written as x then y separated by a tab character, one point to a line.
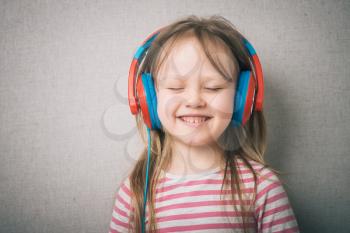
215	81
215	78
184	77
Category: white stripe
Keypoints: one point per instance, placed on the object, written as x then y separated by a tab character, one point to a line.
199	209
276	216
282	226
188	188
190	198
126	198
199	221
271	193
267	183
120	217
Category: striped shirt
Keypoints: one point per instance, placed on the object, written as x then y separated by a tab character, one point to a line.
191	203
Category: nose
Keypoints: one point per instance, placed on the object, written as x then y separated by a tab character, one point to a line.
194	98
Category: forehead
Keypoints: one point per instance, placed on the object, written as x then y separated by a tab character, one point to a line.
185	57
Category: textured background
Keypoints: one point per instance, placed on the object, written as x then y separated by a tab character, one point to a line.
67	137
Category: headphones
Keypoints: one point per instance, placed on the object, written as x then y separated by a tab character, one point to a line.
248	88
142	96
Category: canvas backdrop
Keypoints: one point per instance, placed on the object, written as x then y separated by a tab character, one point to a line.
67	138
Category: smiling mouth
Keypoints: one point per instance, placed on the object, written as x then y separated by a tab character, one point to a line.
194	121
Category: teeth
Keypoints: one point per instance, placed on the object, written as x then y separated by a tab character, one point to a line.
194	120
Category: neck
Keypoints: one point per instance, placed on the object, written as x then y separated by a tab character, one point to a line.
188	159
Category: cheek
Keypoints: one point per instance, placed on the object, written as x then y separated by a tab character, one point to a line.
166	106
222	105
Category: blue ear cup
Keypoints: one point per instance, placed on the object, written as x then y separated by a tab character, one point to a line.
151	97
244	98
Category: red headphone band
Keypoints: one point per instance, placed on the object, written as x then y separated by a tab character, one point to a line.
258	75
134	103
260	83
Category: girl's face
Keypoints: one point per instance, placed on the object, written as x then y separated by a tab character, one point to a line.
195	103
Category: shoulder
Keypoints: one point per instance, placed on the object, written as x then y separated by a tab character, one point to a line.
122	209
272	209
267	182
263	172
122	203
123	193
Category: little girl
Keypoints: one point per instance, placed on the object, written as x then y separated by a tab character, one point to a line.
196	88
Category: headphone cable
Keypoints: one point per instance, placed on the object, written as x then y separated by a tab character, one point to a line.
146	182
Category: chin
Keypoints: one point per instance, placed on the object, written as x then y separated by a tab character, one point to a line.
195	141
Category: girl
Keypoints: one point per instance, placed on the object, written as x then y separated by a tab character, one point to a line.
198	95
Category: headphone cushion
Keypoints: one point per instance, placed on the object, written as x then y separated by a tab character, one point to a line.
151	97
244	98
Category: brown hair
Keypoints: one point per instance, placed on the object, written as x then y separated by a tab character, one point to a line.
246	142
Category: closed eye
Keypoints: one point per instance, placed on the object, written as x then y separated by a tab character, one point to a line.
207	88
213	89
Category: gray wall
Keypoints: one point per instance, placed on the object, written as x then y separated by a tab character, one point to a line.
67	137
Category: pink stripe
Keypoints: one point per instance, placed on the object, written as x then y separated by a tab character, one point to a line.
270	200
267	189
190	183
119	211
163	180
210	181
274	211
201	215
198	193
240	171
113	231
121	200
204	227
199	204
266	176
197	182
278	221
120	223
126	190
244	171
246	168
289	230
